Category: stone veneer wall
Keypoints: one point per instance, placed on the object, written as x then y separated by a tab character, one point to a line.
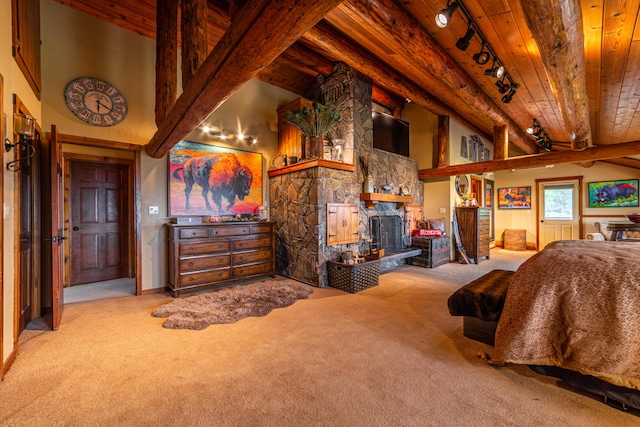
298	200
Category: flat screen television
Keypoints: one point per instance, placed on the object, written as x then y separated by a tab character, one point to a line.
390	134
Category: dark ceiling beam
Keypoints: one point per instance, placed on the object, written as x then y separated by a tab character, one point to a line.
556	26
250	44
386	17
602	152
327	38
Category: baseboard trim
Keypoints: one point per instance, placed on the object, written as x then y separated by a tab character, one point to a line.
7	364
155	291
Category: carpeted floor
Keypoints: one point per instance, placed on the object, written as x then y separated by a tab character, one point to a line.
387	356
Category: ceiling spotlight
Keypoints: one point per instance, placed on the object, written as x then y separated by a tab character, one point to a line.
502	86
496	71
481	57
535	128
463	42
507	98
444	16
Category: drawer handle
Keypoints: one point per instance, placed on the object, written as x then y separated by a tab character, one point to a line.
219	274
241	258
190	248
220	246
191	279
190	264
241	271
220	260
217	232
194	233
240	244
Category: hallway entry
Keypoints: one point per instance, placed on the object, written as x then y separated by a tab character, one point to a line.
100	236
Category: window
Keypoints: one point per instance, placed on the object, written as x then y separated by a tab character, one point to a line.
558	201
26	40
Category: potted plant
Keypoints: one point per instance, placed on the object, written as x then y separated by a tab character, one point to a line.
315	123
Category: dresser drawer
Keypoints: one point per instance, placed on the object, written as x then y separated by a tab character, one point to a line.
211	276
250	270
263	242
204	262
238	230
202	248
483	230
193	233
261	229
249	257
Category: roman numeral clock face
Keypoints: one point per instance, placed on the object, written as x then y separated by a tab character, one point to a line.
96	101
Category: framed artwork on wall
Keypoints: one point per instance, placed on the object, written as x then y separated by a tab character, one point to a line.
205	180
514	198
613	194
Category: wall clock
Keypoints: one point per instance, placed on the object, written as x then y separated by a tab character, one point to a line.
96	101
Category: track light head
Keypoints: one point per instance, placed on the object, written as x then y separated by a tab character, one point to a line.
502	86
535	128
507	98
481	57
463	42
444	16
496	70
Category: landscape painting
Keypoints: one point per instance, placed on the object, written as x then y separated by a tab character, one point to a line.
613	194
205	180
514	198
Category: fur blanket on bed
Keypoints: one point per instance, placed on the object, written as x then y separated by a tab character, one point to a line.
576	305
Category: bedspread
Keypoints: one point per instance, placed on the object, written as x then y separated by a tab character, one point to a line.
576	305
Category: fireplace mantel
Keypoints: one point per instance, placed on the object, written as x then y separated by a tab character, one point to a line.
370	199
306	164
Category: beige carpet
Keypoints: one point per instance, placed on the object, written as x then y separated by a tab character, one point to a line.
387	356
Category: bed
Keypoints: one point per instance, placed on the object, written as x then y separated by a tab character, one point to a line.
576	305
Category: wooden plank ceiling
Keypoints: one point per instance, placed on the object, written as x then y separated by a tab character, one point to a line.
398	44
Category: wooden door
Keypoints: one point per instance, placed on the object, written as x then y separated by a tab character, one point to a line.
559	210
53	230
412	214
342	223
99	229
25	232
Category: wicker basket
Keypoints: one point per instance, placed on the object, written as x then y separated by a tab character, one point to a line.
353	278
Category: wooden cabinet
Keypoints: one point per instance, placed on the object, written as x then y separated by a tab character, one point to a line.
412	214
216	254
473	226
342	223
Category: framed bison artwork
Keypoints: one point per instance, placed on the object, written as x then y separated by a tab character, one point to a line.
205	180
613	194
514	198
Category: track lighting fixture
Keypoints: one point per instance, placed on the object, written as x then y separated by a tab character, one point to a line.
535	128
496	70
486	53
541	137
507	98
481	57
502	86
463	42
444	16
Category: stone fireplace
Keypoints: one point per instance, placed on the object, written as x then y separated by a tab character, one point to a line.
299	197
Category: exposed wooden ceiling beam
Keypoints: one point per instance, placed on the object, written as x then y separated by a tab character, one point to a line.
345	50
624	161
536	160
393	21
250	44
556	26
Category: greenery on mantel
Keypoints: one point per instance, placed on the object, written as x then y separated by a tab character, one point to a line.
317	120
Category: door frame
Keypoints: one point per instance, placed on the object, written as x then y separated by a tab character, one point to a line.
539	181
134	263
19	107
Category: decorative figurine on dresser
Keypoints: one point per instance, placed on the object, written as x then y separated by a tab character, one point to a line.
208	255
473	225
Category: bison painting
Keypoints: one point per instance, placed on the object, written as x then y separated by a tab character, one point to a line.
220	175
605	194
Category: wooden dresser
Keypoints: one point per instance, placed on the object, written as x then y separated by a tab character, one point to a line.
207	255
473	225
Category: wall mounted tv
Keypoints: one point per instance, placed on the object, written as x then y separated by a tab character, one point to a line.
390	134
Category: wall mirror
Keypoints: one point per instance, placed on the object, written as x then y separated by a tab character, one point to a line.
462	185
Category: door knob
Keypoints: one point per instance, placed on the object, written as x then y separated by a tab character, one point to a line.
76	228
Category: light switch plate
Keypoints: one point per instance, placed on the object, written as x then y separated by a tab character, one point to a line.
443	210
153	210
